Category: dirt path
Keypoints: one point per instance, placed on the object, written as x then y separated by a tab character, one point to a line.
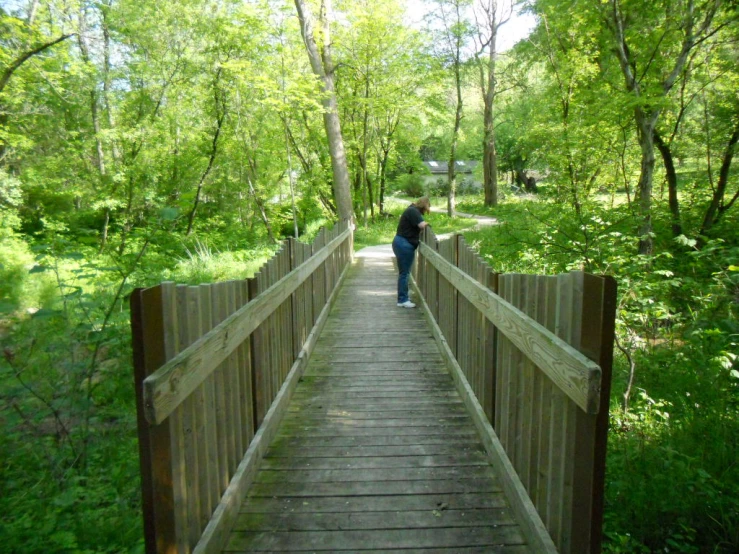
482	221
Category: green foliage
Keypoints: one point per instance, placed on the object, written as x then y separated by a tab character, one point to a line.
69	414
409	184
68	409
204	264
104	159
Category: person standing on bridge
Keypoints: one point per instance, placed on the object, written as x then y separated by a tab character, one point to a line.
405	244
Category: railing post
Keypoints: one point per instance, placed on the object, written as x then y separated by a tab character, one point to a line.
149	353
596	342
490	280
257	356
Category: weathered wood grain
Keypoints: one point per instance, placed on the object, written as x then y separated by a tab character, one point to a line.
461	435
449	537
365	504
554	446
175	380
216	533
574	373
420	519
147	326
374	428
466	458
532	525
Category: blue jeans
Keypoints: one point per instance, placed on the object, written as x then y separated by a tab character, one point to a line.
405	252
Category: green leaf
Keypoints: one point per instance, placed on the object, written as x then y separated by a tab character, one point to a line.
38	269
169	214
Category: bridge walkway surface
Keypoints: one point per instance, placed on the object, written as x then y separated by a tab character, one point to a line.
376	452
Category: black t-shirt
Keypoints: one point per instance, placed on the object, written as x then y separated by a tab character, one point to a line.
408	224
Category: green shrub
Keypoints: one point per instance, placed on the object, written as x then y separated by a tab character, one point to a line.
409	184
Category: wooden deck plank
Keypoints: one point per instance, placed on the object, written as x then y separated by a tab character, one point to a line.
474	458
334	521
392	451
366	504
290	541
374	431
351	475
490	549
376	451
466	436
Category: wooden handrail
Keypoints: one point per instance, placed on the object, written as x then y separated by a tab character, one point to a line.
171	384
574	373
214	369
532	358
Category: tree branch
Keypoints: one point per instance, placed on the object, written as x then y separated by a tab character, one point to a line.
8	73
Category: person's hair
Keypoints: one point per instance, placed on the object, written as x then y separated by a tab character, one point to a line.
423	204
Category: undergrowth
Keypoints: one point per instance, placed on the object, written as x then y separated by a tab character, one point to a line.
69	478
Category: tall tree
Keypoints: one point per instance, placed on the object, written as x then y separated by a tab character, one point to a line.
323	67
491	15
652	44
454	33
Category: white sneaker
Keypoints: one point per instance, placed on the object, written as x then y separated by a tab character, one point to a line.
406	304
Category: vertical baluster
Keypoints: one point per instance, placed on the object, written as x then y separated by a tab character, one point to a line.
189	466
490	365
155	444
247	394
235	364
258	361
176	420
210	438
224	453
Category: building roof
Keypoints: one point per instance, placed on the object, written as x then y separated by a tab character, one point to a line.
442	168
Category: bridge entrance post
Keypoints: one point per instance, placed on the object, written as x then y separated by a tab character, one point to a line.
149	353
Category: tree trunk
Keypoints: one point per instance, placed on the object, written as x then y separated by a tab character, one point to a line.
290	181
262	211
20	60
489	155
32	10
323	68
367	195
716	208
99	153
8	73
646	118
671	176
220	108
645	126
203	176
371	194
383	171
386	146
451	173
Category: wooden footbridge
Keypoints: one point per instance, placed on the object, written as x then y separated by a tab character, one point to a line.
302	411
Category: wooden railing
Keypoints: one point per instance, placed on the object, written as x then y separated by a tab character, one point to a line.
214	366
532	358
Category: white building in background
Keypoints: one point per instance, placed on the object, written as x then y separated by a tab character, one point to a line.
437	177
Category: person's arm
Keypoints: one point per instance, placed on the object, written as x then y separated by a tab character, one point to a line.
423	224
